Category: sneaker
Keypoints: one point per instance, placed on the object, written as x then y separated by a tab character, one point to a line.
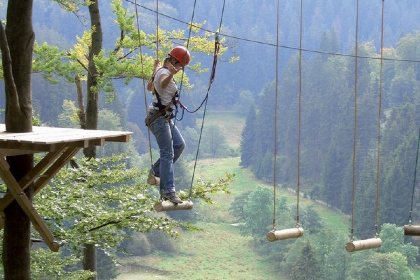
172	197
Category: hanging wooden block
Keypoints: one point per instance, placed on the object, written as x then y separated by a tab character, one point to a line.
167	205
412	230
284	234
365	244
153	180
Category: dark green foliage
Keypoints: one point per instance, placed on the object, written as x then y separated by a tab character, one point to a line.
139	245
380	267
310	220
161	241
106	267
306	266
393	241
332	160
248	140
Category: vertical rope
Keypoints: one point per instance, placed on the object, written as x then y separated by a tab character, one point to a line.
379	121
410	220
355	122
187	46
144	82
300	109
212	76
157	29
275	118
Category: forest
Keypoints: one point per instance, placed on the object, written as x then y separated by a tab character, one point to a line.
338	122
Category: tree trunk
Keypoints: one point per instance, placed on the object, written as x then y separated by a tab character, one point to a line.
89	258
89	261
17	68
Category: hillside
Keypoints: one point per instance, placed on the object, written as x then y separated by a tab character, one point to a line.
219	252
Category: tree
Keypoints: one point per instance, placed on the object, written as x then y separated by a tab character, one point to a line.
214	140
248	140
17	46
379	266
100	201
89	60
393	241
306	266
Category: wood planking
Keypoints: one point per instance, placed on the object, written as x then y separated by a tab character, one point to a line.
50	138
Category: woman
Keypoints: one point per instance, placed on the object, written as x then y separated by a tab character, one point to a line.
159	120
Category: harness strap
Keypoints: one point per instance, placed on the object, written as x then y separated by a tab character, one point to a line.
162	108
157	115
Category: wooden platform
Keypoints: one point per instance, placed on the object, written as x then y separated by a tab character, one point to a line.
59	146
48	139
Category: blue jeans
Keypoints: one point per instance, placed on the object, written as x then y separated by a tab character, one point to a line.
171	144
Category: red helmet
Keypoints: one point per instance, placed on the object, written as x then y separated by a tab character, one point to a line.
181	54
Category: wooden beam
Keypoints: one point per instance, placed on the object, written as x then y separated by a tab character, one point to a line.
31	176
15	152
27	206
58	163
121	138
32	147
55	167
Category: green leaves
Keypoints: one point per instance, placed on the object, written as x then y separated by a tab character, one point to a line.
102	198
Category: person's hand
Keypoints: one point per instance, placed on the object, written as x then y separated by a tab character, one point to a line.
156	65
173	69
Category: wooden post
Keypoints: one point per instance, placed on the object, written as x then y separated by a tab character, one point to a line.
411	230
365	244
170	206
285	234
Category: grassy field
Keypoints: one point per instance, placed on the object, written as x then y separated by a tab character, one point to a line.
230	124
219	251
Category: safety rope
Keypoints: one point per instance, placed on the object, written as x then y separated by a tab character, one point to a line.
379	121
157	29
212	76
144	84
187	46
300	110
355	122
410	219
275	118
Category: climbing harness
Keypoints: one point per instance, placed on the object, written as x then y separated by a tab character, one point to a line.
161	110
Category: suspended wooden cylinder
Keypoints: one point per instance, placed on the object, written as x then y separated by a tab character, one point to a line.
412	230
365	244
153	180
167	205
284	234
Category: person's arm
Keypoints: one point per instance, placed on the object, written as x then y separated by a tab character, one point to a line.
155	68
150	84
164	80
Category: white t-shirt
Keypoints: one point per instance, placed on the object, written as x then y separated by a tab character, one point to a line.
165	94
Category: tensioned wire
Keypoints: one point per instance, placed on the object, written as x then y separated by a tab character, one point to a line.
414	181
299	117
275	119
355	122
300	110
157	29
379	120
144	82
273	44
212	76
